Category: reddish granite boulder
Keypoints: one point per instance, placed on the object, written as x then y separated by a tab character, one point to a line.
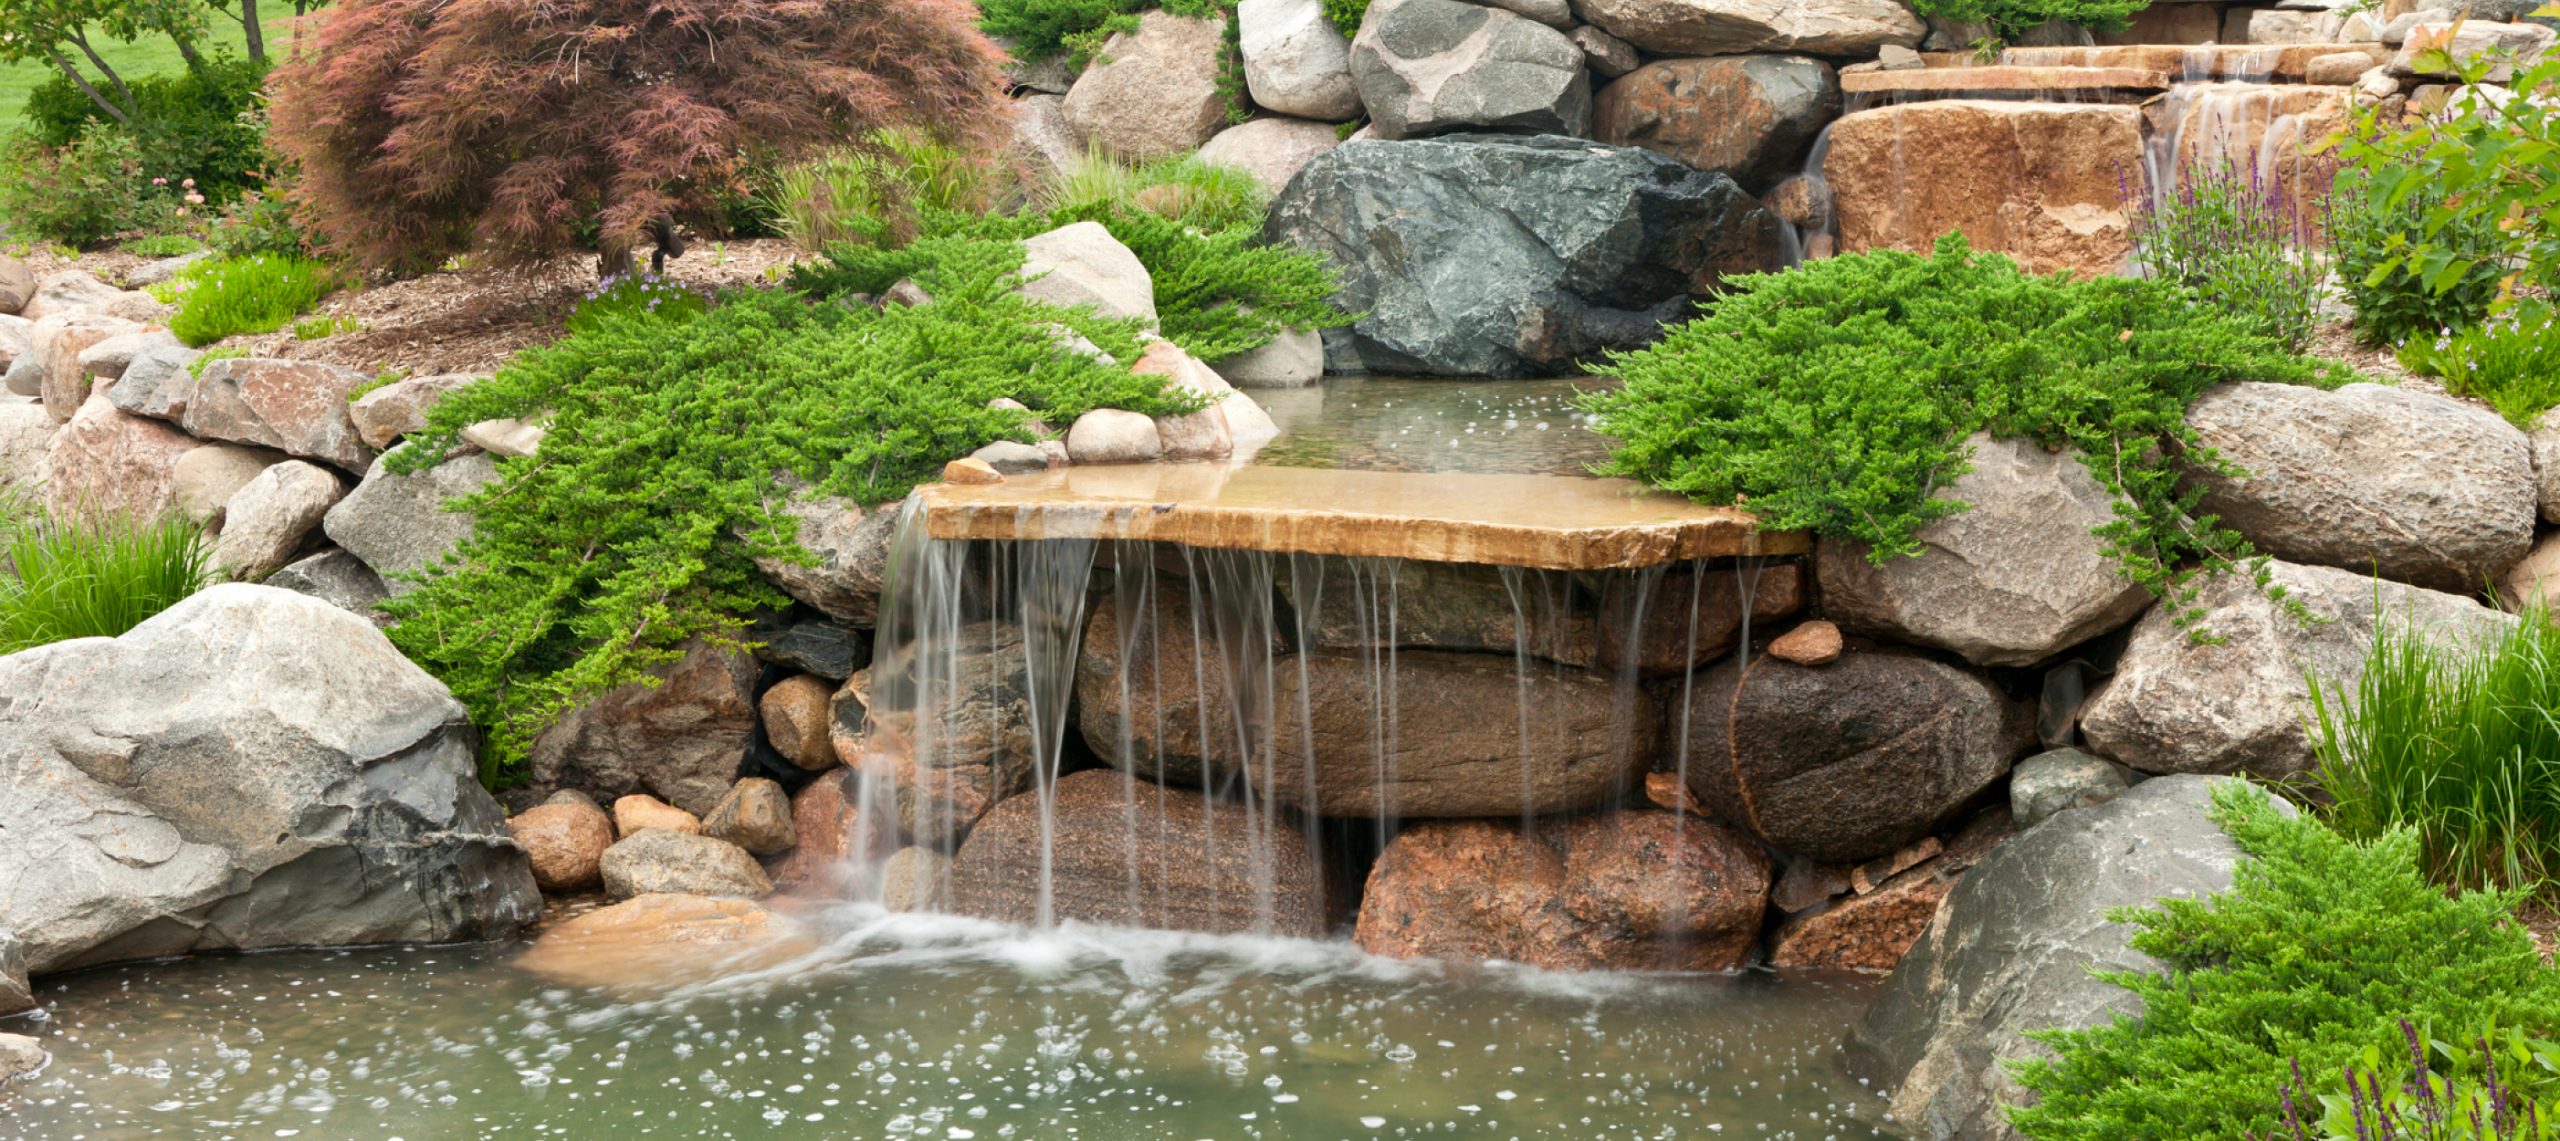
1751	116
565	839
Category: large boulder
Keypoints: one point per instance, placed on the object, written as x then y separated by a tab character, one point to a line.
17	285
1426	67
1752	117
1482	255
1121	851
2236	702
268	520
1295	61
1153	695
947	737
2040	182
2013	579
650	944
400	408
58	342
1639	890
1152	93
249	768
847	551
1082	264
654	860
26	435
2417	487
298	407
399	524
104	459
1853	28
2015	947
157	382
1852	760
204	480
1271	149
65	291
681	739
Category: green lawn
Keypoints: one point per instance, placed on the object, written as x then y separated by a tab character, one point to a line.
149	57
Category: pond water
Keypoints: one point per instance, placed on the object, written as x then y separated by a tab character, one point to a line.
1395	423
933	1027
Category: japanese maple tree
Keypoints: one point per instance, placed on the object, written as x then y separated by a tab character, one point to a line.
525	128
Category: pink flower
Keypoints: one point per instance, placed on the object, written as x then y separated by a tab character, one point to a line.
189	184
159	182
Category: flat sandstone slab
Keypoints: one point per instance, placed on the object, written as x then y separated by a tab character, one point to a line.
2259	62
2086	82
1550	522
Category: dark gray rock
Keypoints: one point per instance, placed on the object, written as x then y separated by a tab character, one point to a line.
2012	948
250	768
681	739
1430	66
2049	782
335	577
157	382
811	646
1489	255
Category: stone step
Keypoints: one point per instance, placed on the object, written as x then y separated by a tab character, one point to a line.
2263	62
2071	84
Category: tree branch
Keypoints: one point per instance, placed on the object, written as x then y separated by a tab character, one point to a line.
82	82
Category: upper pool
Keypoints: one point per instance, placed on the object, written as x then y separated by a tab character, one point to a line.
1413	424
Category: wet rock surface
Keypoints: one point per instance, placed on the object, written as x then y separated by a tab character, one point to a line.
681	740
565	841
948	751
656	942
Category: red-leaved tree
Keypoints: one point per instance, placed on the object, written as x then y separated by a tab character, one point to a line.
523	128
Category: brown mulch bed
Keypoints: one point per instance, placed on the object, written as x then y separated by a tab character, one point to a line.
2544	922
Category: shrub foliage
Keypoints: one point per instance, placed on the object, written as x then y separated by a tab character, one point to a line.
221	297
2313	957
1837	397
424	128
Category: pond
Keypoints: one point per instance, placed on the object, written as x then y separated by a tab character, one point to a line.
1396	423
935	1027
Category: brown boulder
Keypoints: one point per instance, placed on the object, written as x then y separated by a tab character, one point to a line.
1639	890
838	839
1671	623
947	753
106	460
1139	686
637	811
1752	117
756	816
58	342
1816	643
17	285
1129	853
565	841
795	713
2044	183
1872	929
299	407
661	941
1152	93
681	739
1852	760
657	860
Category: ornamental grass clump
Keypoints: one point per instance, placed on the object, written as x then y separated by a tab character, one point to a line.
674	439
2455	743
1836	398
90	574
222	297
2314	959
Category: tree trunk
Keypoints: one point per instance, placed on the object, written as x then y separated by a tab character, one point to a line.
257	36
82	82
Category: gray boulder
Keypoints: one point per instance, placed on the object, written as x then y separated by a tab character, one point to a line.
2420	487
848	556
2012	580
157	382
681	739
2012	949
1082	264
1295	61
2047	783
1850	28
109	358
204	480
26	432
660	860
14	996
299	407
1484	255
1152	93
335	577
66	291
2237	704
1042	141
1427	67
268	519
400	408
398	523
17	285
250	768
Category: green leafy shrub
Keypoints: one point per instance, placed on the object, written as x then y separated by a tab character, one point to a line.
258	222
163	246
2010	19
202	124
2374	235
2510	361
80	194
1041	28
221	297
1836	397
2453	744
2239	241
635	529
2313	957
90	574
2425	1101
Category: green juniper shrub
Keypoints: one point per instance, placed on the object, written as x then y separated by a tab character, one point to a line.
2320	949
224	296
1346	15
90	574
2511	361
2011	19
1836	398
667	430
2454	744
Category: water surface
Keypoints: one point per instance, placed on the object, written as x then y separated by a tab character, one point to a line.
933	1027
1393	423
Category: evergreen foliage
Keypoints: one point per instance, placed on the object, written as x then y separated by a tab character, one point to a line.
673	437
2011	19
1042	28
1346	15
2313	957
1836	398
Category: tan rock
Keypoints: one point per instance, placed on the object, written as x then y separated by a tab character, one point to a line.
1112	436
17	285
58	343
2338	69
659	860
659	941
2041	182
795	716
1815	643
1272	149
639	810
916	879
970	469
756	816
270	519
1752	117
1152	93
104	459
298	407
400	408
204	480
1725	27
566	841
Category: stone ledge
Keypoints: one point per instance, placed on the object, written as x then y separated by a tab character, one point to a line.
2085	83
1549	522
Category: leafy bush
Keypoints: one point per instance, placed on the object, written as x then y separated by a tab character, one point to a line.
1836	397
2426	1103
2313	957
635	529
90	575
2373	234
1042	28
163	246
422	129
80	194
2241	242
2511	361
202	124
2010	19
2456	746
220	297
260	222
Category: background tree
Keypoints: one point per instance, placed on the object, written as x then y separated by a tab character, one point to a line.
66	32
425	128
